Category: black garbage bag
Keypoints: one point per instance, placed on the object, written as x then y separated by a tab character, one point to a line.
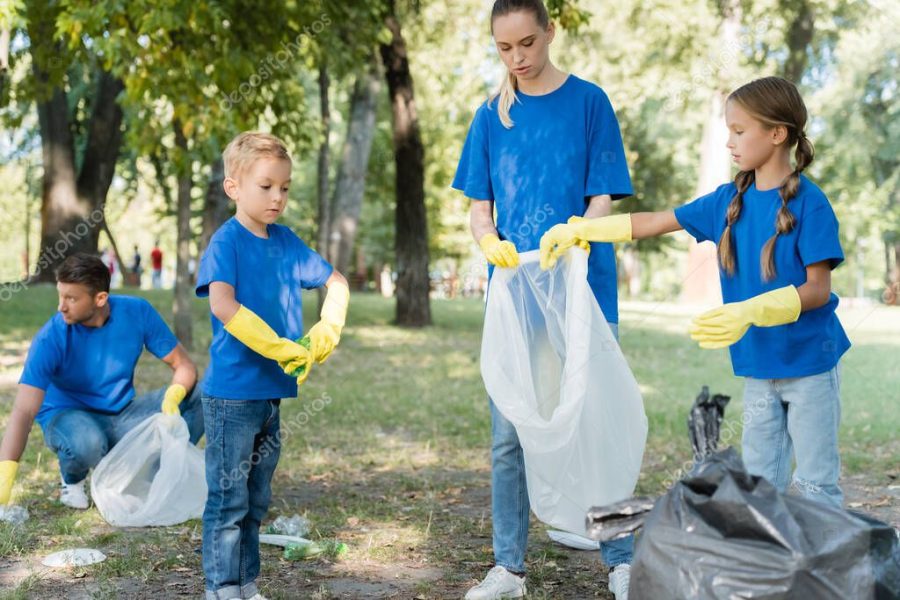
705	422
721	533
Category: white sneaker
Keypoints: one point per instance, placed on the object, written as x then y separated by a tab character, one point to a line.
619	581
499	583
257	597
73	496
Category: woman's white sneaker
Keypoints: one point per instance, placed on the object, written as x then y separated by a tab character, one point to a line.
620	581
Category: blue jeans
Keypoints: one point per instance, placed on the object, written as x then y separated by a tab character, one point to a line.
795	418
243	442
80	438
509	500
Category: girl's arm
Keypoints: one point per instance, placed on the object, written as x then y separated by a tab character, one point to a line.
817	289
651	224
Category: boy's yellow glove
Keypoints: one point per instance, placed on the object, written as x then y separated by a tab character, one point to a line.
723	326
325	335
501	254
8	470
555	243
246	326
175	393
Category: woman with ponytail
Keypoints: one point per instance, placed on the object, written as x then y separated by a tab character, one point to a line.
778	242
545	148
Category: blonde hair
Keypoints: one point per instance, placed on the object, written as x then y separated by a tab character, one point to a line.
248	147
507	90
773	101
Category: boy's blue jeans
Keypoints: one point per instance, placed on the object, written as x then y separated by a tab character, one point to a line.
243	442
795	418
80	438
510	508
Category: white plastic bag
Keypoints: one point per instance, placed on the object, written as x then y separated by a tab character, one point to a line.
552	367
153	476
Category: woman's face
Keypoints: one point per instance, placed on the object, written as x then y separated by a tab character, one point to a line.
524	46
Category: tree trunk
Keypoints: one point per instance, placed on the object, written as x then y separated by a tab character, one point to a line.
216	204
324	216
71	202
184	287
411	224
351	179
799	37
701	281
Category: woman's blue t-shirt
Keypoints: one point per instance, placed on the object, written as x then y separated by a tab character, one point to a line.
815	343
563	148
267	276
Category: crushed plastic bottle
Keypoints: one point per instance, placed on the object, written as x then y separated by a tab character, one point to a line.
13	514
299	371
295	525
309	549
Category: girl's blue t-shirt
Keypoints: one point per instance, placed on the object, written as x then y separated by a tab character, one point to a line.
92	368
267	276
563	148
815	343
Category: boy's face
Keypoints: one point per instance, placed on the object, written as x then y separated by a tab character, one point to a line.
261	190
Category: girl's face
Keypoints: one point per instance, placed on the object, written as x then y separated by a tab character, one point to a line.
524	46
751	142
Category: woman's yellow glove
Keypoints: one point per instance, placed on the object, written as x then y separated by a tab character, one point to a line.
723	326
175	393
246	326
501	254
8	470
325	335
558	240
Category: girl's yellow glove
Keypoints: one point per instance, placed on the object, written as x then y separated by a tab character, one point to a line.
723	326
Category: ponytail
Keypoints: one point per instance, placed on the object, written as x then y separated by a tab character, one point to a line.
506	97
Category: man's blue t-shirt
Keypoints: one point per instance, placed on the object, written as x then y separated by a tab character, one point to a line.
816	342
92	368
267	276
563	148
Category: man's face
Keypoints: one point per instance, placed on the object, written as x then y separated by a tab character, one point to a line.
77	304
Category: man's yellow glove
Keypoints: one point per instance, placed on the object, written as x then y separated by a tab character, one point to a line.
246	326
723	326
175	393
501	254
8	470
325	335
557	241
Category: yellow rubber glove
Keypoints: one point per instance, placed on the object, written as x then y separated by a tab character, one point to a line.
246	326
555	243
586	245
501	254
325	335
175	393
8	470
723	326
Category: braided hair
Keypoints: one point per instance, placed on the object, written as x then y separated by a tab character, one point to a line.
773	101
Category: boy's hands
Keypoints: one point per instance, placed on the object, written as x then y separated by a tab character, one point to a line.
246	326
325	335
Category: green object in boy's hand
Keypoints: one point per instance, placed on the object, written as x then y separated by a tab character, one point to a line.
299	371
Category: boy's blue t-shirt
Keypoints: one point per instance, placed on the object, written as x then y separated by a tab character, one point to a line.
563	148
815	343
268	276
92	368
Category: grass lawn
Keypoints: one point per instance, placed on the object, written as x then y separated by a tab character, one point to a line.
389	452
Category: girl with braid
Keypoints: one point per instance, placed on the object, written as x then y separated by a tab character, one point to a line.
777	239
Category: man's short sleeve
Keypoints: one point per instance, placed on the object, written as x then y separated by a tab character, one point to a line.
44	358
158	338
